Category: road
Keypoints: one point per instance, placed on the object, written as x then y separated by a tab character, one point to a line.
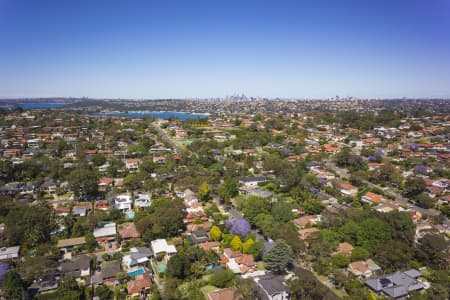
167	139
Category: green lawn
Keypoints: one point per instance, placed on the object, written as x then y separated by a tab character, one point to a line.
206	289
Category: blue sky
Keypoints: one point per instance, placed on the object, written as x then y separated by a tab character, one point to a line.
178	49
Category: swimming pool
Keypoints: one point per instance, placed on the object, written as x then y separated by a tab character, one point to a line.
130	216
137	272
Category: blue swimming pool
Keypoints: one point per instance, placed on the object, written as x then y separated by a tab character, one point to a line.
137	272
130	216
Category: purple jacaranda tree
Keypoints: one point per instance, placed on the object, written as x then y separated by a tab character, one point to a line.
241	228
267	246
414	146
421	169
379	153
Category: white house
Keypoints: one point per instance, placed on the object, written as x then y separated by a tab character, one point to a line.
142	200
9	252
123	203
160	246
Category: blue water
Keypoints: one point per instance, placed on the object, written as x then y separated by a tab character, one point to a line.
130	216
157	114
137	272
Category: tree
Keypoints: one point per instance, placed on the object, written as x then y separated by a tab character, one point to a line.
83	182
340	260
306	286
179	266
68	289
215	233
13	286
165	219
430	249
231	188
395	254
247	289
425	201
265	223
247	245
289	234
282	211
241	228
222	278
253	206
359	253
236	243
203	192
104	292
277	257
414	186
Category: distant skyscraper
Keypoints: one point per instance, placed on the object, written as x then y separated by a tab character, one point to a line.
337	97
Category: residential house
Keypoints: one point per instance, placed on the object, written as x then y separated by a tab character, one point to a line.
106	234
223	294
138	257
272	287
252	181
9	252
77	267
132	164
160	247
397	285
67	245
237	262
344	248
307	220
108	273
128	231
304	234
347	189
372	198
123	203
364	269
139	287
142	201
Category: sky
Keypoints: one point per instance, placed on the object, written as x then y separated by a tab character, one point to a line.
184	49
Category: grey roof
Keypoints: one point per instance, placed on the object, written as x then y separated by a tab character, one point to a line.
110	270
77	263
396	291
413	273
397	284
144	251
272	285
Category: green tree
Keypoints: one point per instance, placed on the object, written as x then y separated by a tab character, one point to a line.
83	181
68	289
282	211
253	206
277	257
425	201
340	260
414	186
306	286
359	253
265	223
179	266
13	287
222	278
430	249
247	289
231	188
104	292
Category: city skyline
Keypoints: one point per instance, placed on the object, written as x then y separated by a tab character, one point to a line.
292	49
